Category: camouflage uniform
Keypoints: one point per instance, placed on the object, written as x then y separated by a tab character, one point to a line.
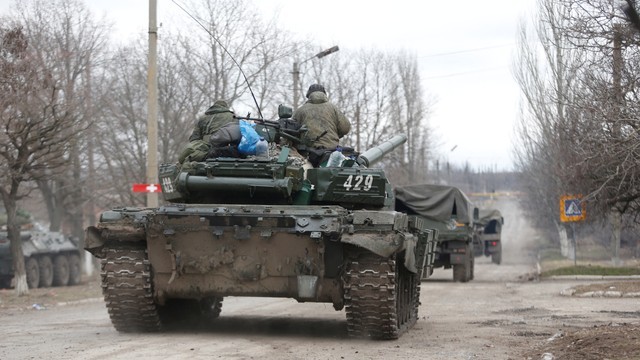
318	114
213	119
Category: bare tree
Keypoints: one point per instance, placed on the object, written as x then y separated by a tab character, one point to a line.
381	93
236	31
71	47
37	128
579	128
546	69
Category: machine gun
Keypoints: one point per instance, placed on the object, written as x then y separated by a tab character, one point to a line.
285	127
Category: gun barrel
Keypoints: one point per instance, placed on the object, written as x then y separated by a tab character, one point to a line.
376	153
188	183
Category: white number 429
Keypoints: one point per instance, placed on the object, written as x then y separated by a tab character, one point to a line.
358	182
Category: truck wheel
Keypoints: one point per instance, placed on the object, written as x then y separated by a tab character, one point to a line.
33	273
473	268
496	257
74	269
46	271
460	272
464	272
60	270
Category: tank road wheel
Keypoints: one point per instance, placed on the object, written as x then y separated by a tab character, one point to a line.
33	272
179	313
128	292
380	302
74	269
211	307
60	270
46	271
188	312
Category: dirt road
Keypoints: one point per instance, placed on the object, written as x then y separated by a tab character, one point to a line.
495	316
499	315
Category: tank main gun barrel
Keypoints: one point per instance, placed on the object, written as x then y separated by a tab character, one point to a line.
376	153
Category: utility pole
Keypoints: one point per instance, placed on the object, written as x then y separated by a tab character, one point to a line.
152	109
616	129
296	71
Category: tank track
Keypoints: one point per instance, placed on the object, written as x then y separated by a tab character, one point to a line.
128	292
381	298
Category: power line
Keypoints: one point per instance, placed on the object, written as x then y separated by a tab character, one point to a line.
466	51
466	72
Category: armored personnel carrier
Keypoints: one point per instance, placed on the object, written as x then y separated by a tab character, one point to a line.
51	258
264	226
449	210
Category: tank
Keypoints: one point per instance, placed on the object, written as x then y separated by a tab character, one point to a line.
266	227
51	258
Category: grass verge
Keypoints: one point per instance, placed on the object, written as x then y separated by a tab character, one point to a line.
592	270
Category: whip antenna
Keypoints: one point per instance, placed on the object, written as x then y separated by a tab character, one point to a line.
225	50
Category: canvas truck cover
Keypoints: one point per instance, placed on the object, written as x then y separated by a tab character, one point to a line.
486	215
435	201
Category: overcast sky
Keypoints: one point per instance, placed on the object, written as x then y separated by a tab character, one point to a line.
465	51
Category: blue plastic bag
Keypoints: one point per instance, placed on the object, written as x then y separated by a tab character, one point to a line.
249	139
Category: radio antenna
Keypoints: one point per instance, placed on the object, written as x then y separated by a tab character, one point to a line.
225	50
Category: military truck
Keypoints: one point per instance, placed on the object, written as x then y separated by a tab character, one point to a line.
490	232
266	227
449	210
51	258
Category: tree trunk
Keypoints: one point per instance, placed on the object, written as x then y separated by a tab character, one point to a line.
616	225
565	245
54	201
77	199
13	232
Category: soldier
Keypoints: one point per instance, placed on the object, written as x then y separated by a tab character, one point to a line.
322	117
216	117
216	127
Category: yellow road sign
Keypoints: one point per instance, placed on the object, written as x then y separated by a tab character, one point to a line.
572	208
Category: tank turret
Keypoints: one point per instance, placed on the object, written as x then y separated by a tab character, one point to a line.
281	178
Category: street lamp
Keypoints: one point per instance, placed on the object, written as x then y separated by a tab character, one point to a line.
296	71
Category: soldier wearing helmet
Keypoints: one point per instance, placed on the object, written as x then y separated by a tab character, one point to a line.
216	117
322	117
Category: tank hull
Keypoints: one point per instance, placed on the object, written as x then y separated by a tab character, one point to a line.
308	253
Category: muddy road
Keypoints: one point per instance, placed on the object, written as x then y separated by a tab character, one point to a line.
501	314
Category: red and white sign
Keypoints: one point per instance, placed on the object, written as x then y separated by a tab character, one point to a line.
147	188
